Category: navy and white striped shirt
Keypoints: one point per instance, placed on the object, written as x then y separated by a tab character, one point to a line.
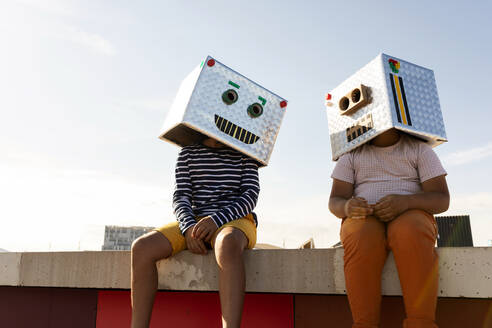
220	182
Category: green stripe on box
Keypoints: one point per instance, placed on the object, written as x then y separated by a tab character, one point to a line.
234	84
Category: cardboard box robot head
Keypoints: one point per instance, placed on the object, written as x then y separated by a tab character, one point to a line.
386	93
215	101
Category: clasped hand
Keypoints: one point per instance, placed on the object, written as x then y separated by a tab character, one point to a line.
200	233
386	209
390	206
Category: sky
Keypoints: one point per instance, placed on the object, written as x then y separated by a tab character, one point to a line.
85	87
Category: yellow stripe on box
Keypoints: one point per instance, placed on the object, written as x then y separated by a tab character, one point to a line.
400	100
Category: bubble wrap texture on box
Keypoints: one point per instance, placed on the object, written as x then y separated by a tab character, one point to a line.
205	102
422	104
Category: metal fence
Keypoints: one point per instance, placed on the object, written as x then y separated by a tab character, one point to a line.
454	231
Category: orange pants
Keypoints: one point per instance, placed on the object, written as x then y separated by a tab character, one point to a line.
411	237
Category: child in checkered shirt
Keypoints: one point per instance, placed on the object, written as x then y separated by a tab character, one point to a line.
386	192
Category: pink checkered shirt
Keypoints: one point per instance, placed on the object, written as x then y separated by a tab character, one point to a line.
397	169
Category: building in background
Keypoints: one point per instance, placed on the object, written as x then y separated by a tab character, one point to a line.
454	231
118	238
266	246
337	245
308	244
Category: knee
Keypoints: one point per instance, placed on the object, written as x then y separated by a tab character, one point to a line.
363	235
141	250
412	226
228	248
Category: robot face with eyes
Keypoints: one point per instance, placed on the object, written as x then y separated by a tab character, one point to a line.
215	101
386	93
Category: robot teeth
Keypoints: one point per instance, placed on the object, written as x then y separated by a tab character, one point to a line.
235	131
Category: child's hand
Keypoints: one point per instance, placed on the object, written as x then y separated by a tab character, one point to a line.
390	206
357	208
204	229
196	246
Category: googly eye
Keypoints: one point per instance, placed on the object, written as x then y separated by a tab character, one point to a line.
255	110
230	97
355	95
344	103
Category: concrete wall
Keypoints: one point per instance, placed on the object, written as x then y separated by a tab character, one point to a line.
464	272
286	289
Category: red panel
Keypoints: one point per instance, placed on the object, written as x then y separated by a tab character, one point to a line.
268	311
25	307
312	311
392	312
464	312
186	309
196	309
113	309
73	308
334	311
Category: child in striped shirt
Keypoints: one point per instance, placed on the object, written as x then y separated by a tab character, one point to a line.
216	191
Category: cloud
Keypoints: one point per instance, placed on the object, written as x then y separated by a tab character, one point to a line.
92	41
468	156
461	203
57	7
47	16
47	208
151	104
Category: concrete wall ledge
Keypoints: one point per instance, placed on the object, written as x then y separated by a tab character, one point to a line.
464	272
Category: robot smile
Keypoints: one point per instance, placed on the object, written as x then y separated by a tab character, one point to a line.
235	131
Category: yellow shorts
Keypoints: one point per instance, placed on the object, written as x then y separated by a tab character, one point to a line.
178	242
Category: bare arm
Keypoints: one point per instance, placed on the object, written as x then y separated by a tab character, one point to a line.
342	203
341	191
433	199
